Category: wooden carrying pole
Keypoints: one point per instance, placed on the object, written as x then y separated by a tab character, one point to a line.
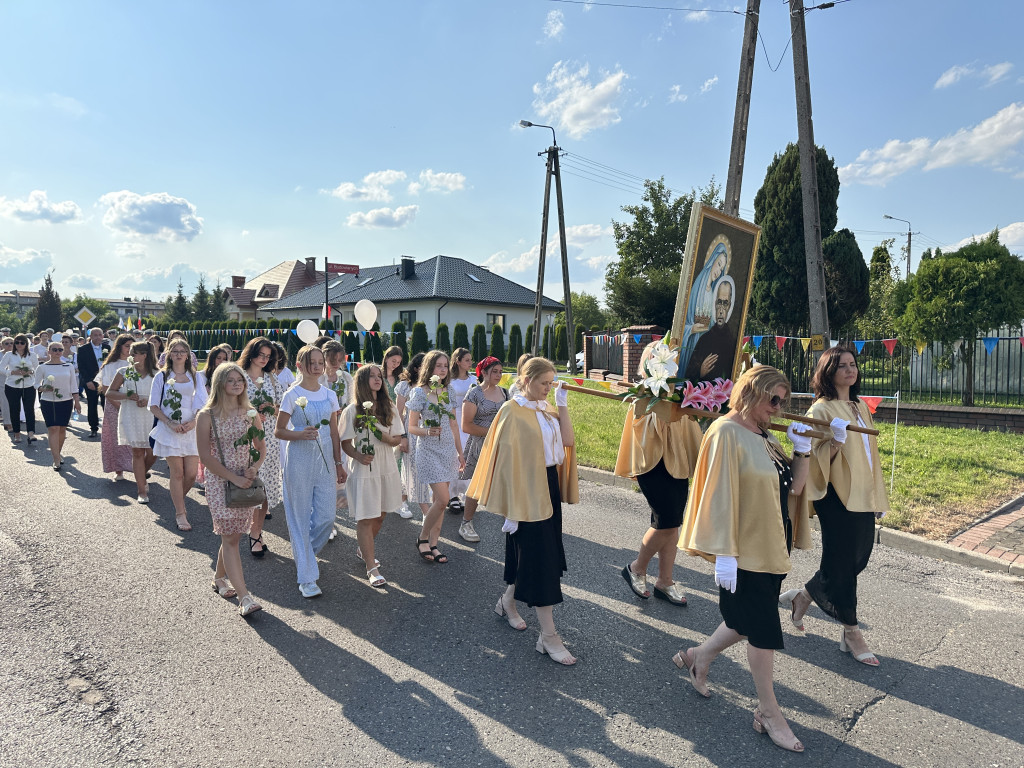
702	414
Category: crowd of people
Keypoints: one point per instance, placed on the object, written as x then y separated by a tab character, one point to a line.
431	436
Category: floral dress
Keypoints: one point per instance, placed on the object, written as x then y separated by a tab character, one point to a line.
270	470
227	520
436	458
116	458
486	410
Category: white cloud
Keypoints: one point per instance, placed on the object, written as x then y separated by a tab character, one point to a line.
709	84
86	282
991	74
697	16
992	142
554	25
675	95
597	262
132	249
374	187
569	100
576	239
38	208
440	181
1012	236
159	216
161	281
25	268
245	233
588	5
384	218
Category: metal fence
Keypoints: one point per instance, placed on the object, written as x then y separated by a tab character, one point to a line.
604	351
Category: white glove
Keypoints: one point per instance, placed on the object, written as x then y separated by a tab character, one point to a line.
795	433
509	526
880	515
839	430
561	395
725	572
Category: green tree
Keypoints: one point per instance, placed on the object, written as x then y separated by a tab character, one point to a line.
48	308
585	311
177	310
778	294
443	342
847	281
879	320
497	343
201	307
561	343
515	344
9	319
461	337
479	342
351	340
372	349
218	311
529	342
420	340
641	286
961	295
399	340
545	347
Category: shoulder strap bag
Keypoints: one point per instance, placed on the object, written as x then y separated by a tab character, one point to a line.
234	496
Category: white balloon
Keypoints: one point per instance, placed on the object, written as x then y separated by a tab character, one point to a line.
57	336
308	331
366	313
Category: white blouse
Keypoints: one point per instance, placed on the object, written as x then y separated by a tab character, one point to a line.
550	431
12	361
65	382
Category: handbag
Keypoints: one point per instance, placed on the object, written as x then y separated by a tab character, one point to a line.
235	496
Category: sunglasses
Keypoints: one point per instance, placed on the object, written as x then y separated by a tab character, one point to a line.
776	401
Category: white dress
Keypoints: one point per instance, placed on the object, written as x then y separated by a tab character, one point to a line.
134	424
459	389
193	397
375	489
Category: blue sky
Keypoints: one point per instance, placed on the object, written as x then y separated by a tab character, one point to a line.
141	143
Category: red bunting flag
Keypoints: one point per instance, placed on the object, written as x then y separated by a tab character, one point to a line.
746	339
657	338
890	345
579	382
780	342
1022	341
872	402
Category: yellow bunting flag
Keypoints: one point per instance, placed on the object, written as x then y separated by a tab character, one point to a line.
606	384
506	379
921	346
806	343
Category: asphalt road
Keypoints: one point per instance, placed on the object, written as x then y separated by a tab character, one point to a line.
116	652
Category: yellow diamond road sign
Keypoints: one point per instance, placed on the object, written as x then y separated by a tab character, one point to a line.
84	316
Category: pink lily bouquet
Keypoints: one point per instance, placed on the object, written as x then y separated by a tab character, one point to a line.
662	385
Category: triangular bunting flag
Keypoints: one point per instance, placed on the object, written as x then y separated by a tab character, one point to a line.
780	342
657	338
990	344
921	347
806	343
957	344
758	340
1022	341
746	339
872	402
637	337
606	384
890	345
579	382
859	346
833	343
295	332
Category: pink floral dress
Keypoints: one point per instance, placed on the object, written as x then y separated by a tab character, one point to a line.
227	520
116	458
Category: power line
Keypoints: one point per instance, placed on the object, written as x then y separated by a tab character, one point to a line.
650	7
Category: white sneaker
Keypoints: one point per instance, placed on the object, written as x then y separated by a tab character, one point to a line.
143	499
310	589
334	534
468	532
404	511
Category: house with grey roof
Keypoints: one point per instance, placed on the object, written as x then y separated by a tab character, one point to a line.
441	289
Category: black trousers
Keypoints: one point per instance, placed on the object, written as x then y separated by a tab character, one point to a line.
15	399
92	398
847	540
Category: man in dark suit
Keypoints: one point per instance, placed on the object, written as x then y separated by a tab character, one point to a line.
715	350
90	358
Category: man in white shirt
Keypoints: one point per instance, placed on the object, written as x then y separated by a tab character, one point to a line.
39	350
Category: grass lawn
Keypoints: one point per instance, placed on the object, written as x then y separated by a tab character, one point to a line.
945	478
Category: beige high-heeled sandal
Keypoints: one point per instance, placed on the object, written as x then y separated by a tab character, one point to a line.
514	621
761	726
867	658
563	657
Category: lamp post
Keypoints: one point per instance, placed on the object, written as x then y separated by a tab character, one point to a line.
553	170
893	218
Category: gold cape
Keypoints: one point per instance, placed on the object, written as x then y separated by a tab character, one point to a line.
732	510
860	487
510	477
647	439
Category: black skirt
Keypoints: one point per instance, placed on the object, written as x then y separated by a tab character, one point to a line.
666	495
753	610
56	414
535	557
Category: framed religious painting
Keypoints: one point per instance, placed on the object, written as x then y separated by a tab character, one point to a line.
713	296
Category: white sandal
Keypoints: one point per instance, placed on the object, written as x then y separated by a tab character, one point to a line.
378	580
248	605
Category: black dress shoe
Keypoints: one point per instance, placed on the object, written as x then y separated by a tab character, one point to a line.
94	434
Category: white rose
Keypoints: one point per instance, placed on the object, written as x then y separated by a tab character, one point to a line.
259	380
301	402
251	413
337	373
368	405
50	379
435	379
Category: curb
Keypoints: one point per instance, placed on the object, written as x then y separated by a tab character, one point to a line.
906	542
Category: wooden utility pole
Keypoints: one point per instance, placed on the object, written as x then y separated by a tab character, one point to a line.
809	181
539	298
570	334
734	180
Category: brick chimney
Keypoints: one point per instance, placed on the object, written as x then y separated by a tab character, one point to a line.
311	266
408	268
238	281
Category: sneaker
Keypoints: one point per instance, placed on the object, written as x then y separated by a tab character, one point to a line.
143	499
310	589
468	532
334	534
405	511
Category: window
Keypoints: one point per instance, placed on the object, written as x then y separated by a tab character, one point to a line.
474	278
495	320
364	282
408	317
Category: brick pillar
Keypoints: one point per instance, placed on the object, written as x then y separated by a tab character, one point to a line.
632	350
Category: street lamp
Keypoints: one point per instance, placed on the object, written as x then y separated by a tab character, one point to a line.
553	171
893	218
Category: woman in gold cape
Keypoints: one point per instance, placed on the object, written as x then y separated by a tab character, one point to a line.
742	515
526	469
848	490
660	456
